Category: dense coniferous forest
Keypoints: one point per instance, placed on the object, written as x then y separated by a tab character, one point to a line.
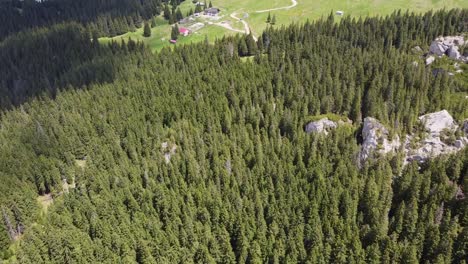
198	154
106	17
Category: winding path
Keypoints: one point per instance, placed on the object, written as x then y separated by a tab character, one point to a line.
246	25
229	27
294	3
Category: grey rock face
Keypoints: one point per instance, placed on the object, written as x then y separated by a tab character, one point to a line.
438	48
376	139
448	46
168	151
453	53
430	60
438	121
320	126
433	144
438	125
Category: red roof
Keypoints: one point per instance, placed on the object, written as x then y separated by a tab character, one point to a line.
183	30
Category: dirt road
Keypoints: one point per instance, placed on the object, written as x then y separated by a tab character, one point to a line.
294	3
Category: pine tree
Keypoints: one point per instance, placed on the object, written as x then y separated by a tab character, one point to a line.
178	15
251	45
153	22
268	18
175	32
273	20
167	13
198	9
147	30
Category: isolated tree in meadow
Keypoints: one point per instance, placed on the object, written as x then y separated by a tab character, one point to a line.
268	18
273	20
175	32
210	5
147	30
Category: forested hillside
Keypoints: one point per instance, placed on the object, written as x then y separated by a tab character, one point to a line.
106	17
199	155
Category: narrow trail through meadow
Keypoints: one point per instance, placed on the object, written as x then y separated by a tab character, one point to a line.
294	3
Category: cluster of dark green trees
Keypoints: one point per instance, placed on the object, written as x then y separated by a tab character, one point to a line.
245	183
106	17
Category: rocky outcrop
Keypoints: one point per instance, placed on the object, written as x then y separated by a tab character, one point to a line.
438	139
321	126
168	151
453	53
430	60
376	139
436	122
464	127
448	46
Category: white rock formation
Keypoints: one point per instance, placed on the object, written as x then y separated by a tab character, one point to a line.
448	46
437	48
433	144
168	152
375	139
430	60
438	125
437	122
320	126
453	53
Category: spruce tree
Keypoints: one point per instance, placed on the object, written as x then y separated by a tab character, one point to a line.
147	30
175	32
273	20
178	15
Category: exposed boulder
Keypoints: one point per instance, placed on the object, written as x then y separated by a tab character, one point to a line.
430	60
459	144
448	46
320	126
417	50
428	148
453	53
439	126
376	139
438	48
168	151
439	139
436	122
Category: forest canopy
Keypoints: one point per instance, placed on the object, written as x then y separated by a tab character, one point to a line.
198	154
105	17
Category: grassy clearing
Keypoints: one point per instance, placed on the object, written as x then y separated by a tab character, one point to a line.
160	35
45	201
305	10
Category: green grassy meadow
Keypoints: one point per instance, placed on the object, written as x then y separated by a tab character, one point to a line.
305	10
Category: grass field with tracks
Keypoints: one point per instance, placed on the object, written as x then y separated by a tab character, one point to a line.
304	10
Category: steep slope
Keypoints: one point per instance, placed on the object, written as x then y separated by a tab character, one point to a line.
244	181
